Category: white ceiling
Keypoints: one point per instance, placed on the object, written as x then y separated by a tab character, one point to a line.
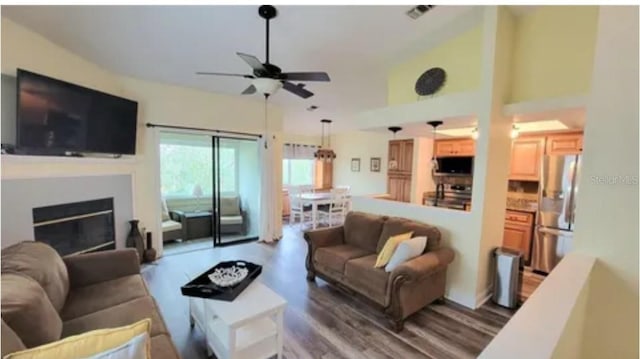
356	45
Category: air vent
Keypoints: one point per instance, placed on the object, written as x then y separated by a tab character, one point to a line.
419	10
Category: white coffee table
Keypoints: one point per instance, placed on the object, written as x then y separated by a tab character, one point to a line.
251	326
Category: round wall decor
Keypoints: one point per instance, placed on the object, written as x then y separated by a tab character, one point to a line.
430	81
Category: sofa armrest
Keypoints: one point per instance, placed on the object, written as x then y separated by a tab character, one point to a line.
321	238
177	216
324	237
91	268
423	266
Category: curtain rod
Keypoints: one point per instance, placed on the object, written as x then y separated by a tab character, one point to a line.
204	129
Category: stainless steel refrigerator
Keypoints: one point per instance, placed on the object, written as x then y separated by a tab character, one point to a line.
557	194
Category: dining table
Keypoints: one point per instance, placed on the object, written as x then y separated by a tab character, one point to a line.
315	199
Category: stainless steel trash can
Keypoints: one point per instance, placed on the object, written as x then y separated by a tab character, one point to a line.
507	279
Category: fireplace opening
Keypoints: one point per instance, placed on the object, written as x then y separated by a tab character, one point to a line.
74	228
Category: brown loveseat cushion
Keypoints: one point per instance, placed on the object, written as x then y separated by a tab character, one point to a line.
10	341
371	282
28	311
117	316
335	257
395	225
43	264
363	230
95	297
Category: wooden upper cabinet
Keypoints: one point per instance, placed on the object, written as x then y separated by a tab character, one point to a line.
406	163
467	148
564	144
526	156
456	147
400	156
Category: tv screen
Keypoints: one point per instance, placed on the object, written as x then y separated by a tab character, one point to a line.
56	117
455	165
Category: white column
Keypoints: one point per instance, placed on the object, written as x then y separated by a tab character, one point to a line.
607	210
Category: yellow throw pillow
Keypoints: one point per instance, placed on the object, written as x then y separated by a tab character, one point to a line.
390	247
87	344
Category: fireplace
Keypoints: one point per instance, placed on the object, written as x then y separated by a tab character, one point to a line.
78	227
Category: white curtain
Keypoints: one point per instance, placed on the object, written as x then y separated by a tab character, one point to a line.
295	151
270	189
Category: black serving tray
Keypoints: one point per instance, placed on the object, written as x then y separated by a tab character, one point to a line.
202	286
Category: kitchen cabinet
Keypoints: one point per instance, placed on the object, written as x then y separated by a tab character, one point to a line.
526	154
564	144
518	232
400	170
399	187
400	157
455	148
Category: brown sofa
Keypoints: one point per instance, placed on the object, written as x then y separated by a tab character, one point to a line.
46	297
345	256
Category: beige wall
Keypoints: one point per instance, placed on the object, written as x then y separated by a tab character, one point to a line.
607	212
362	145
158	103
553	53
493	146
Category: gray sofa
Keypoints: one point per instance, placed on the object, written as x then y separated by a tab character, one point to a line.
46	297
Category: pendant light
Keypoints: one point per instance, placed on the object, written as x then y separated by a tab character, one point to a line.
395	129
434	162
393	163
325	153
435	125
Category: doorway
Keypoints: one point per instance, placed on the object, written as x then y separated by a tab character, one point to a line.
210	190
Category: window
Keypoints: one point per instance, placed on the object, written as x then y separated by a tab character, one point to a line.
298	172
183	167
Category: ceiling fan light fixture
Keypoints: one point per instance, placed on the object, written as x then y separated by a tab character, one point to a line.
266	86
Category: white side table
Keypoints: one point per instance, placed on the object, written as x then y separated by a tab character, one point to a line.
251	326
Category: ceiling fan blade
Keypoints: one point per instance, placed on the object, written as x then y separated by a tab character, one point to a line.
224	74
249	90
296	89
252	61
306	76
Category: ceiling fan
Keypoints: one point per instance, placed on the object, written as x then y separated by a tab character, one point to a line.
267	77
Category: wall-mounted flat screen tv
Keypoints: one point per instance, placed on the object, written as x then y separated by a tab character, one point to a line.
54	117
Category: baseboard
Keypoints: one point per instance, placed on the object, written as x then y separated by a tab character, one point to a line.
483	297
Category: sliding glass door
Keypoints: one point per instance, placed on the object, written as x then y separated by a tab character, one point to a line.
210	189
236	190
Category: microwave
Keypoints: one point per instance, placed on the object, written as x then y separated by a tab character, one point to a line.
455	166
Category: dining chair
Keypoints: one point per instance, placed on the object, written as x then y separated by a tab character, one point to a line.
337	209
297	209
